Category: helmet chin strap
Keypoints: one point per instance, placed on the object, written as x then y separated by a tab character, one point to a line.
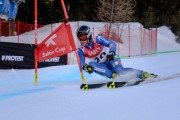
90	43
90	40
86	44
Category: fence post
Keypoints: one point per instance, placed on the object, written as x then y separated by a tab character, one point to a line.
105	30
51	28
8	28
151	37
141	39
129	40
0	29
144	52
77	24
149	41
118	40
18	30
156	41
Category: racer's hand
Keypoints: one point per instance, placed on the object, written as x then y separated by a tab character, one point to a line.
110	56
88	68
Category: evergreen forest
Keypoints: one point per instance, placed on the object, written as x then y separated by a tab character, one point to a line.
147	12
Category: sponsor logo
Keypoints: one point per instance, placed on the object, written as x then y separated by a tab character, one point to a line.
50	41
56	59
95	51
12	58
52	52
100	70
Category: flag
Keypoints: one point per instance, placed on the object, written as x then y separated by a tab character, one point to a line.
58	43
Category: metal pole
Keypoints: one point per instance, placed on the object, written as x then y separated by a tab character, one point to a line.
0	29
77	56
35	40
18	29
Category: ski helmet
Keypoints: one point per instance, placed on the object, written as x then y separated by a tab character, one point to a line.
84	34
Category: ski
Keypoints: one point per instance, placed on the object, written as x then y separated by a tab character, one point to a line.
116	84
111	85
176	75
85	86
119	84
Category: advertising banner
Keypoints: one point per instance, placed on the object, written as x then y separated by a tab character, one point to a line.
21	56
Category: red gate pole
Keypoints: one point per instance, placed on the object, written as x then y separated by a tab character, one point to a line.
77	56
35	40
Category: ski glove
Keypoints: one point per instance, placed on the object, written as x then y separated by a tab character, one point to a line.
88	68
110	56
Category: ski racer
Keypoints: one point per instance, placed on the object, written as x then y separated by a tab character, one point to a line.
100	56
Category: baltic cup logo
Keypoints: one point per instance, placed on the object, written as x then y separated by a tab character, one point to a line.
50	41
56	44
52	47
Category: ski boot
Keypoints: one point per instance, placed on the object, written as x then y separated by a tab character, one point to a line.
147	75
114	75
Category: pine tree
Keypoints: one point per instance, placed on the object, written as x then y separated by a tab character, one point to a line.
123	10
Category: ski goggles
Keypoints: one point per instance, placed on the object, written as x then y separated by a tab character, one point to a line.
83	38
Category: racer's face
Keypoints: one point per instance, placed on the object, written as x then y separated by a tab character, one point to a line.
83	43
83	39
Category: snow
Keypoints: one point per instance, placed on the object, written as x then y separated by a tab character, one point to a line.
57	95
166	40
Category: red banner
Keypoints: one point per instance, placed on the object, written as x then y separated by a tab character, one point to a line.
58	43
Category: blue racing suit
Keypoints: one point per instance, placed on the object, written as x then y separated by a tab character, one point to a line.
95	56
